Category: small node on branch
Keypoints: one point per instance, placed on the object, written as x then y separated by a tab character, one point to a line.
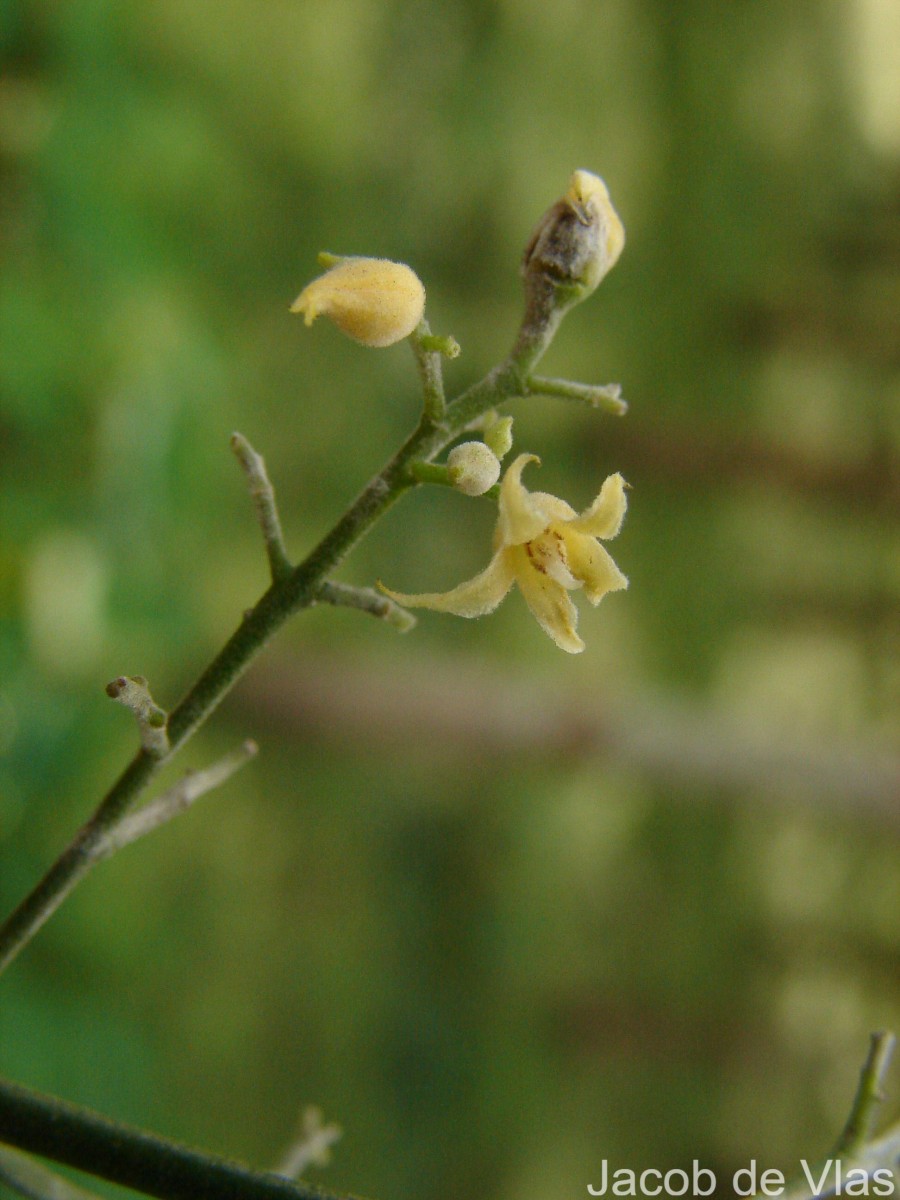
427	350
263	496
134	693
436	343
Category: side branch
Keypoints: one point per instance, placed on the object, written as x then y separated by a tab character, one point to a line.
131	1158
263	495
366	600
33	1181
174	801
868	1096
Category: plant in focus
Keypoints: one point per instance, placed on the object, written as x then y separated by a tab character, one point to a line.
541	544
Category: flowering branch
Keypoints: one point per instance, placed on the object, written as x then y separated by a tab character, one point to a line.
377	303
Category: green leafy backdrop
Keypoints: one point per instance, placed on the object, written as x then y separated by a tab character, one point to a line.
502	913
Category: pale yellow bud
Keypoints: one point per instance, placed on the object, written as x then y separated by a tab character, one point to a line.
373	300
473	467
577	240
589	196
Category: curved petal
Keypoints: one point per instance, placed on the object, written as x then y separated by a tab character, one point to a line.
473	598
604	517
589	562
522	517
549	603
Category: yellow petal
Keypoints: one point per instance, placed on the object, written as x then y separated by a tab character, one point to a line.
521	516
590	563
549	603
604	517
473	598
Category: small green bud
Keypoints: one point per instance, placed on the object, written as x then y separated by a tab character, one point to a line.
498	435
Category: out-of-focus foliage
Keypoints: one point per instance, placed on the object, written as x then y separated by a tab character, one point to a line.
495	960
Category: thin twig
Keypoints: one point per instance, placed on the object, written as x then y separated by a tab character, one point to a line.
312	1146
608	397
367	600
263	495
32	1180
868	1096
175	801
852	1156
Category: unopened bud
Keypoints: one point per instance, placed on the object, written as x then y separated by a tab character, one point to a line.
498	435
473	468
577	240
373	300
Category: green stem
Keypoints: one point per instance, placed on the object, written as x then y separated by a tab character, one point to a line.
868	1096
428	360
608	397
130	1157
429	472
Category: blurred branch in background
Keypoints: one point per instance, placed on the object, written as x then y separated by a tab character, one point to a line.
472	712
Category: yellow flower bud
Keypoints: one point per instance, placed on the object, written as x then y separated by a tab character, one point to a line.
589	197
474	468
373	300
578	239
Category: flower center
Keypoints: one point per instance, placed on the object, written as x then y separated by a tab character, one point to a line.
547	554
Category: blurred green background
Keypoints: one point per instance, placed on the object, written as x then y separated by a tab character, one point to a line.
501	912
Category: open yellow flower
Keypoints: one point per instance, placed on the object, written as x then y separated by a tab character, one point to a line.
544	546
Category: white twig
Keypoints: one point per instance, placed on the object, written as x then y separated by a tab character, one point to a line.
263	495
312	1146
175	801
30	1179
134	692
367	600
